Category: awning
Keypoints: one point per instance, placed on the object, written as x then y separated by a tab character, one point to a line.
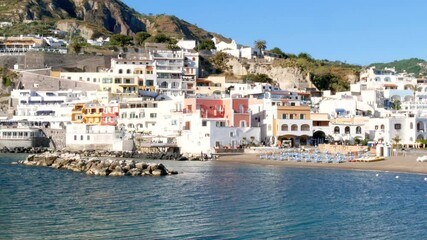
340	110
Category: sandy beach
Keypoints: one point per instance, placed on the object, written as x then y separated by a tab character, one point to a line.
406	164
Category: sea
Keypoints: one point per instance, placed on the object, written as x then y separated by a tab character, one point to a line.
211	200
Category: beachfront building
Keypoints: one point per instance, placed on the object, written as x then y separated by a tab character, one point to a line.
321	128
293	123
96	137
348	130
397	125
47	108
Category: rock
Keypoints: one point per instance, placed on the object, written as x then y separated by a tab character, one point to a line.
117	172
141	165
94	166
134	172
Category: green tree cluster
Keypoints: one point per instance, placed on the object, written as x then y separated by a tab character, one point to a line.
263	78
206	45
219	62
7	76
331	82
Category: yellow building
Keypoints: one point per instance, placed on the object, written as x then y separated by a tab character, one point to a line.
293	124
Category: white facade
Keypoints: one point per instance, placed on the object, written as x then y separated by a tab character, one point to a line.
94	137
187	44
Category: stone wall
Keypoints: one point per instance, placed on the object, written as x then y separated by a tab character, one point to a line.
40	82
35	142
56	136
36	60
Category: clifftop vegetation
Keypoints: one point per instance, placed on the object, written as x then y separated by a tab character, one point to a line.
413	65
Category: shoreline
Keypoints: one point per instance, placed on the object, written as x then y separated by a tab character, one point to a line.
398	164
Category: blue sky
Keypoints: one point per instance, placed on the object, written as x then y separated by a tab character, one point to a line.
352	31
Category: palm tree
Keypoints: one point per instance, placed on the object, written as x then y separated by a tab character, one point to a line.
261	45
414	89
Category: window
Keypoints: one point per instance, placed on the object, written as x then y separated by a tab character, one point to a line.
118	80
294	127
204	123
153	115
397	126
243	123
81	137
120	71
358	130
285	127
284	116
305	127
411	125
302	116
376	127
231	134
75	137
347	130
88	137
336	130
382	126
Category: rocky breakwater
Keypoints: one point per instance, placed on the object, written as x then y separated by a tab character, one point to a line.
96	166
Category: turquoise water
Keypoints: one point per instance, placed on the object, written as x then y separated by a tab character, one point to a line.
211	200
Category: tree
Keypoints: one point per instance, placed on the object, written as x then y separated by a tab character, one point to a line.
263	78
206	45
414	89
8	77
77	43
396	104
219	62
396	140
261	45
331	82
121	40
140	37
279	52
305	56
159	38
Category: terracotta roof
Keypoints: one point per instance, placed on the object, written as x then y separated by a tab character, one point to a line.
390	85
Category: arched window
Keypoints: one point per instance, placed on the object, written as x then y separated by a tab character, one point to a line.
142	115
294	127
242	123
124	115
285	127
164	85
387	79
130	125
132	115
128	71
139	126
377	79
358	130
382	127
120	71
305	127
347	130
411	125
336	130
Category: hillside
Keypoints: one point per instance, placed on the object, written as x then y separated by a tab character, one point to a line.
97	17
413	65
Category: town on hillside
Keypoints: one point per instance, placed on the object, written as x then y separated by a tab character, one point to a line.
157	99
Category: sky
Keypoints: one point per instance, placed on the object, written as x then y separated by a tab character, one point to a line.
352	31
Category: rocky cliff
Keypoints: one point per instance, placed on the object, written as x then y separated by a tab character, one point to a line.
94	17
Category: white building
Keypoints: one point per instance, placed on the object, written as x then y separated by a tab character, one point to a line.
96	137
236	50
